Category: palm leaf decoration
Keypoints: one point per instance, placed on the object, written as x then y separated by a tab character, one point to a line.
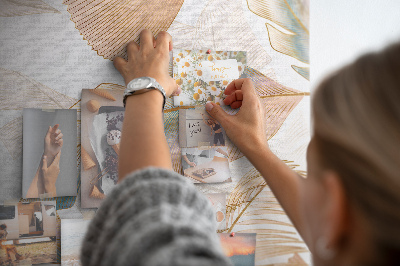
252	208
278	100
290	35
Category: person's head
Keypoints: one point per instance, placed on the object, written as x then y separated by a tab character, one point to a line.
351	197
210	122
3	226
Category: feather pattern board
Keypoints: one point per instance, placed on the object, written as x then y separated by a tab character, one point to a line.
12	8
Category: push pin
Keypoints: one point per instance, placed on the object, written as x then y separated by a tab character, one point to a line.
232	234
208	51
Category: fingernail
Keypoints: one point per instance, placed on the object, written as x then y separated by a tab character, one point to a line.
44	157
179	90
209	106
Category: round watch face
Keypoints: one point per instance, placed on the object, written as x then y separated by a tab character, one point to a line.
140	83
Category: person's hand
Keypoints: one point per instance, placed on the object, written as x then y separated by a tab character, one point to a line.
246	129
50	174
53	142
150	59
192	164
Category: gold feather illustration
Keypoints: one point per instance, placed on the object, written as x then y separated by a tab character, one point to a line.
108	25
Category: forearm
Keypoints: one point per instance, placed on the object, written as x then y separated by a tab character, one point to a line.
284	182
143	141
36	188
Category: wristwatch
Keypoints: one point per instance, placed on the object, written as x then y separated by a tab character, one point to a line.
142	85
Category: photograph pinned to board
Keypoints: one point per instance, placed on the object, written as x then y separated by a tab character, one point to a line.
204	74
73	232
218	201
102	114
206	164
197	128
28	232
49	153
240	248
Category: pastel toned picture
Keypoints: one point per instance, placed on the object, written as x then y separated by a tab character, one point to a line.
49	153
197	128
28	233
218	201
72	233
206	164
102	115
239	247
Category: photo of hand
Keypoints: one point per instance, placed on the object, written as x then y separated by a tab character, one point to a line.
44	182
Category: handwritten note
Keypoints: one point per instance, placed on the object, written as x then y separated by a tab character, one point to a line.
219	70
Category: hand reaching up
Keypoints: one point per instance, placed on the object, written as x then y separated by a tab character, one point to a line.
246	129
52	143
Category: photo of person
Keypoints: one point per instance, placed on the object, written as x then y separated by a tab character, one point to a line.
206	164
216	129
44	182
10	250
28	232
49	153
197	129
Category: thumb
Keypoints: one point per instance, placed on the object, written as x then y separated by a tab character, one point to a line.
217	112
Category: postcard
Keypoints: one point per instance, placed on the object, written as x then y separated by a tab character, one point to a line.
204	74
28	232
239	247
206	164
197	128
49	153
102	114
72	234
218	201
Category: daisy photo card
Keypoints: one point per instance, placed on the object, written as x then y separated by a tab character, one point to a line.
204	74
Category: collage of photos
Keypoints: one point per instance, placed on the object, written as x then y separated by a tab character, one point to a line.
28	232
49	153
102	114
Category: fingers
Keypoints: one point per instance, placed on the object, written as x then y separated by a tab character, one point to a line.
235	99
44	163
164	41
146	40
217	112
131	48
59	136
60	142
245	85
119	63
54	129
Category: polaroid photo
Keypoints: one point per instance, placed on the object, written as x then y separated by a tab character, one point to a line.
197	128
206	164
240	248
102	114
28	232
203	75
218	201
49	153
73	232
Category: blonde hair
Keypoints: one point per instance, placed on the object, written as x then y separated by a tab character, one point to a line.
356	115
